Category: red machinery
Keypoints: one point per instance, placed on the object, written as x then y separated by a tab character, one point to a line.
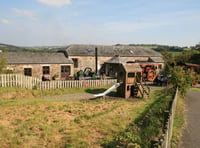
149	71
196	69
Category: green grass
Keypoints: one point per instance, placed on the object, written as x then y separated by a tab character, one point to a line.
174	54
95	123
147	125
178	122
195	88
10	94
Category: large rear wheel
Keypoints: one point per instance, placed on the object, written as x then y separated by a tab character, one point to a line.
151	75
195	82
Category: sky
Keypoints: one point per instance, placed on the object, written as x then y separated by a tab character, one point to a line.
103	22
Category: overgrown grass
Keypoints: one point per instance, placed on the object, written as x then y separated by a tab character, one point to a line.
25	94
96	123
148	124
178	122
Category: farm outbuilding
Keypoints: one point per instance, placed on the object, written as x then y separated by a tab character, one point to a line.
84	56
66	63
110	67
42	65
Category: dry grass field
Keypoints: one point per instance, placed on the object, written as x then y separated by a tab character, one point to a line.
28	120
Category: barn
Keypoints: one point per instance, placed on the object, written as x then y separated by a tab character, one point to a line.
64	64
84	56
42	65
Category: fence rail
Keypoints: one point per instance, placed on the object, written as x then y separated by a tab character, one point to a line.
165	140
17	80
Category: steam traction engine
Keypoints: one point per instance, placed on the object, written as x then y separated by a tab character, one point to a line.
149	71
196	69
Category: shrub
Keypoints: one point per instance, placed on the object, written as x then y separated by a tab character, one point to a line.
181	78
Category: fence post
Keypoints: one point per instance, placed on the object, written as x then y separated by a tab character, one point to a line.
18	80
154	143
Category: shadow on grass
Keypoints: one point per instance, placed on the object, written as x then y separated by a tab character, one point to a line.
146	127
95	91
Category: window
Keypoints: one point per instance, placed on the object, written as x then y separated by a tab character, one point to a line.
46	70
131	75
75	62
65	69
28	71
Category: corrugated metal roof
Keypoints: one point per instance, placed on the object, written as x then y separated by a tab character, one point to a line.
36	58
104	50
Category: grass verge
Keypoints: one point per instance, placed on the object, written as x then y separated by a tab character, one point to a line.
195	88
147	125
178	122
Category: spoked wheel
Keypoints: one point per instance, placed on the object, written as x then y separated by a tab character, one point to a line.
87	71
195	82
151	75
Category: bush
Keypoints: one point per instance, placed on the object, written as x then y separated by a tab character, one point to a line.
2	65
181	78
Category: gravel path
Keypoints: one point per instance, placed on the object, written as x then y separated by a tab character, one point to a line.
191	132
82	96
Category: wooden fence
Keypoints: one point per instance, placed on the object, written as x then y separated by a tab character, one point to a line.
17	80
165	140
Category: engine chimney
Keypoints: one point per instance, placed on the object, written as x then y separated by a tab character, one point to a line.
96	60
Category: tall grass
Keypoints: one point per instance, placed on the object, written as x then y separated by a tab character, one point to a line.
147	125
95	123
178	122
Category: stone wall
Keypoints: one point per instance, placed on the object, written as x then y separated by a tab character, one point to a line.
37	71
89	61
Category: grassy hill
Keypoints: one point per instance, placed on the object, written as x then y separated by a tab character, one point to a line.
53	48
7	47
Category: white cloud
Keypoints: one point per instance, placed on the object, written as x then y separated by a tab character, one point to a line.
28	13
56	3
5	21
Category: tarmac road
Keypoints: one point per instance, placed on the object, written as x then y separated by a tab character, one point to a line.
191	132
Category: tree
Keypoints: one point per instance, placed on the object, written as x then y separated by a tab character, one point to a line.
2	65
197	47
181	78
3	61
168	58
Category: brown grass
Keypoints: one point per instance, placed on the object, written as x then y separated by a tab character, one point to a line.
60	123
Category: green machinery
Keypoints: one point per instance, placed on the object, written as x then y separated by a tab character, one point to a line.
88	73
